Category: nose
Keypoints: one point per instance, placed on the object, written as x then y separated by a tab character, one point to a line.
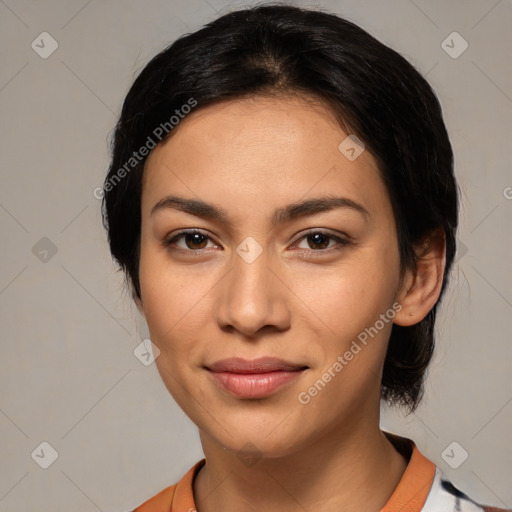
253	297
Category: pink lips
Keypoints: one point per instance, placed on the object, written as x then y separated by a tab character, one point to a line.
255	378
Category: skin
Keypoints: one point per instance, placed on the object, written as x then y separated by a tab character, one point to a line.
299	300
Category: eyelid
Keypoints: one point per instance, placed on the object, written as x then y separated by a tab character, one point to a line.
342	239
323	231
167	242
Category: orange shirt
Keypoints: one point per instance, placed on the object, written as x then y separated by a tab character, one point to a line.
422	488
410	495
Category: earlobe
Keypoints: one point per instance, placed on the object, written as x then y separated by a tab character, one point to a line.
421	286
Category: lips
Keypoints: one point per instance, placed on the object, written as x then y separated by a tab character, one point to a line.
261	365
256	378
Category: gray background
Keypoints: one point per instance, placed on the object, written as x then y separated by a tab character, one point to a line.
68	373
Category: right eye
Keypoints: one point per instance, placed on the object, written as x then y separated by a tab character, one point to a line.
194	241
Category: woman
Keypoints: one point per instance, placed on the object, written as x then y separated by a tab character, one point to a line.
282	200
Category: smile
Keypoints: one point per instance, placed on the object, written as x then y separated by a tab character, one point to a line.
256	378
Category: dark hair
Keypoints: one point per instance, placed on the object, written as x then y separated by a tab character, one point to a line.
373	91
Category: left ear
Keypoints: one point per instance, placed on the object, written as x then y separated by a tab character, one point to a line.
422	285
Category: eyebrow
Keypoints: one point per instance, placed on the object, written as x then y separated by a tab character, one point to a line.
280	216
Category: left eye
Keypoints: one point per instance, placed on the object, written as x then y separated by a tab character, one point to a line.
318	240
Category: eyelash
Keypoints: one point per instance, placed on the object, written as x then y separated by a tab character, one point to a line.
342	242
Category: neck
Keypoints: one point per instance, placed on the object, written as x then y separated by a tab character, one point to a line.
357	469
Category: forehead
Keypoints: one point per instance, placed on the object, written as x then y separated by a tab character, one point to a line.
261	150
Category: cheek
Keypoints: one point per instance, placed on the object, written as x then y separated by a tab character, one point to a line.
163	296
349	352
170	305
167	309
177	305
350	296
163	286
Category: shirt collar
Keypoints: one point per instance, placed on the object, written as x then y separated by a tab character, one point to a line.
410	494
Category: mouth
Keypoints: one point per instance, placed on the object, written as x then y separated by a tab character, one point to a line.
257	378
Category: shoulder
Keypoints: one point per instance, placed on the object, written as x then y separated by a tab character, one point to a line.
444	496
160	502
179	496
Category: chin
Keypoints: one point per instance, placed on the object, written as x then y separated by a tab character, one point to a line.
253	442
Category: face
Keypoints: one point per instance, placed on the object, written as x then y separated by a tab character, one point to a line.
289	293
